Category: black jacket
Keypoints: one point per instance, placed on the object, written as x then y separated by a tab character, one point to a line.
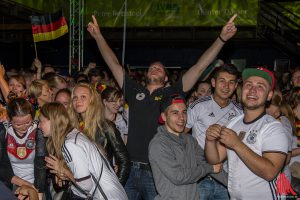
6	171
115	148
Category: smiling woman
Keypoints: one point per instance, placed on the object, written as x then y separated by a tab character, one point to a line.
89	171
87	115
114	110
22	147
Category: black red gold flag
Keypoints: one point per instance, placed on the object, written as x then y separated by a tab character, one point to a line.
48	27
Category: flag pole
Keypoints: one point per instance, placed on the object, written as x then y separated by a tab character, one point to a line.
36	56
34	43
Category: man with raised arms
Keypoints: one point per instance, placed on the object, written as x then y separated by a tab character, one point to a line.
144	104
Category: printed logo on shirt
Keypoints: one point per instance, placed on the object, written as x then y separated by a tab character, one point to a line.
140	96
231	115
211	114
30	144
158	98
21	152
10	146
251	139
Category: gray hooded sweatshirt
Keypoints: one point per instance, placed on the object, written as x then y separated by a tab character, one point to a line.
177	163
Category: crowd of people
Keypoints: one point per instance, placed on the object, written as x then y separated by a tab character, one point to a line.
150	135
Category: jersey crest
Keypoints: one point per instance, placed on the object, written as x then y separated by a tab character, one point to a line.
251	139
231	115
21	151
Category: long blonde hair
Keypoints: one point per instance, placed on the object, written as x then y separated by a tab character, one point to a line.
60	126
94	119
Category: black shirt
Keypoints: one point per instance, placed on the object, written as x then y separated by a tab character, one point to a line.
144	111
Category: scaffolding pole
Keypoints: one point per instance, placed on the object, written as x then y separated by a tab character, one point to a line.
76	39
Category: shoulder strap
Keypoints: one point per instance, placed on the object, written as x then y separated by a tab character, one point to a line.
97	182
98	185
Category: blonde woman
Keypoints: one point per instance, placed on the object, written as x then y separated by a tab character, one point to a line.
40	90
87	114
88	170
57	83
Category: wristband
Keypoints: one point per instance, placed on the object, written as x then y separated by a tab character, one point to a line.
224	41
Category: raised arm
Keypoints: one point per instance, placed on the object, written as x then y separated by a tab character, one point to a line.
106	52
38	65
192	75
92	65
3	84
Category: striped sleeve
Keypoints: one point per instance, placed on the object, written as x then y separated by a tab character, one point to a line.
78	162
195	110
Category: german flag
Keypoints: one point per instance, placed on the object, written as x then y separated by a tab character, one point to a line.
48	27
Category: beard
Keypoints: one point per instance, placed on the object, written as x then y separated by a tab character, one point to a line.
155	81
253	106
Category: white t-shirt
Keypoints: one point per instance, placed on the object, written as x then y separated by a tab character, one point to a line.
84	160
204	112
122	125
265	134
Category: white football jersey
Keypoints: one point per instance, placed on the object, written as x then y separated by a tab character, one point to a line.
265	134
204	112
84	160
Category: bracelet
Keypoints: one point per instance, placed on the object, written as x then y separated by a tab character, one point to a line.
224	41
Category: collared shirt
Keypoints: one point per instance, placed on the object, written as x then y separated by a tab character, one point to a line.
144	111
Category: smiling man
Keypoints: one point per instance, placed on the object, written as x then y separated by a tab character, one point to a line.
254	143
176	159
144	104
215	109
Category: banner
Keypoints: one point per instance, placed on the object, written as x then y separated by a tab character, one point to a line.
164	13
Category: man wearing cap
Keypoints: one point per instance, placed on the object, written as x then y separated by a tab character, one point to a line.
176	159
254	143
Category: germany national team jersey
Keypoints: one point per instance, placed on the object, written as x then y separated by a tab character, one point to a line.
204	112
87	165
265	134
21	151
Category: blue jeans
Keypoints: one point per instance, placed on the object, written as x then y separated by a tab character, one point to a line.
210	189
140	184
